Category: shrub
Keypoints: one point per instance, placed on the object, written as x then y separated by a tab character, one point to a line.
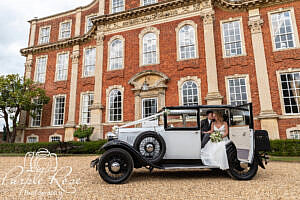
279	147
55	147
285	147
84	132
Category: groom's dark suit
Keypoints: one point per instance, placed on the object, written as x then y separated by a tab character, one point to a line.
205	126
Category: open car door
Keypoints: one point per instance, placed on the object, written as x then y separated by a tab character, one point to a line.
241	131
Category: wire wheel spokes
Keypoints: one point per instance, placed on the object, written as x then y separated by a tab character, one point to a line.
150	147
116	166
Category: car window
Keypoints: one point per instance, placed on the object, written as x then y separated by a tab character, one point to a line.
186	119
239	117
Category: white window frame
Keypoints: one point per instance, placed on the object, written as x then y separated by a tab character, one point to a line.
60	37
108	91
55	135
53	109
64	69
197	87
289	130
36	75
84	62
32	136
177	29
87	22
294	27
238	76
143	2
111	6
180	85
116	37
40	34
243	47
144	99
278	73
32	119
141	45
82	105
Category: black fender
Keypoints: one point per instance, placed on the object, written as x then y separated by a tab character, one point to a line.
138	159
232	154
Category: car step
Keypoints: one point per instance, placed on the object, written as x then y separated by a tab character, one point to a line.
184	166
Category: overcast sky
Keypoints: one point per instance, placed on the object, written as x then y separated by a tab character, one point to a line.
14	28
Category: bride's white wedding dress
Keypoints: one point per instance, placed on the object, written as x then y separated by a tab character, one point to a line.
214	154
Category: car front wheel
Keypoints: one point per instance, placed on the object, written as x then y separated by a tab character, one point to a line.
245	171
115	166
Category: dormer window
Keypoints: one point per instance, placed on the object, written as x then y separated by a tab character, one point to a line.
89	23
148	2
117	6
65	30
44	35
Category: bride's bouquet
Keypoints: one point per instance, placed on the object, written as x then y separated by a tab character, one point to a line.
216	137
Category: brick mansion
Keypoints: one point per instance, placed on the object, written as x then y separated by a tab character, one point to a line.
116	61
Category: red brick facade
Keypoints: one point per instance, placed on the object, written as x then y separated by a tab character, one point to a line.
169	65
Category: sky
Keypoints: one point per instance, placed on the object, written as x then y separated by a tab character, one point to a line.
14	28
14	32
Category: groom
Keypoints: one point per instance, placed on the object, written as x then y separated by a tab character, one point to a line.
206	126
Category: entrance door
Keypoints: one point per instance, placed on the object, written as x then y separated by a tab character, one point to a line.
241	131
149	107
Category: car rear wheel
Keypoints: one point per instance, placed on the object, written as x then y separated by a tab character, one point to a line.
115	166
151	146
244	171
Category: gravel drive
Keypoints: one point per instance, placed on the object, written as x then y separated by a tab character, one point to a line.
281	180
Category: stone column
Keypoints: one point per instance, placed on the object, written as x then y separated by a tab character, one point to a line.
267	116
101	7
32	32
96	109
78	22
71	124
213	95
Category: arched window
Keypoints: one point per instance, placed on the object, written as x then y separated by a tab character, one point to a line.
187	42
190	93
115	106
116	55
149	49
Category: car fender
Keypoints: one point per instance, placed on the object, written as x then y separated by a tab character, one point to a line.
139	161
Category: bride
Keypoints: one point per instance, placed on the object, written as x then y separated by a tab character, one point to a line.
214	154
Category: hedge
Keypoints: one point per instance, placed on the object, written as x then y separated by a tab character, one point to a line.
285	148
279	147
54	147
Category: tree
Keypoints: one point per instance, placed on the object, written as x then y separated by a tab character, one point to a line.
84	132
16	95
4	134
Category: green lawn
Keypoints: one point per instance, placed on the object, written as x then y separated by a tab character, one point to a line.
285	158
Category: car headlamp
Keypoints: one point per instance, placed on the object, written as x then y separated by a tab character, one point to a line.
111	136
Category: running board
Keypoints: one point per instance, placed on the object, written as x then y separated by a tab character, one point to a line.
182	166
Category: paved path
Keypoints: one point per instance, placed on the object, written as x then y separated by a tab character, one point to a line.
279	181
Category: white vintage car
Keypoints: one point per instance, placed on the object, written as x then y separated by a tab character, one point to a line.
171	139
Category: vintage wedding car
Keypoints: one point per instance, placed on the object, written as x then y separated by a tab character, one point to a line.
171	139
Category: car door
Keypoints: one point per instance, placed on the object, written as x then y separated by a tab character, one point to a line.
182	134
241	131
